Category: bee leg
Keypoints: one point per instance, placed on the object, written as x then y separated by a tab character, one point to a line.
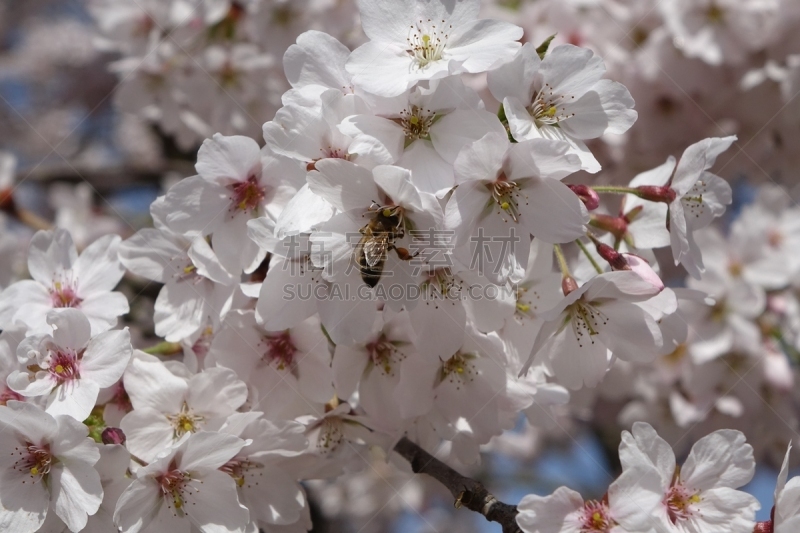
404	254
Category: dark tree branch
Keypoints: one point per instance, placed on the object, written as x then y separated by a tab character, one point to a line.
467	492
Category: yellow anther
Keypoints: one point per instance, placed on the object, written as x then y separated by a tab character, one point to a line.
505	206
58	286
240	481
59	369
34	471
460	370
552	111
414	120
189	269
243	205
178	501
426	39
387	212
695	498
523	307
188	426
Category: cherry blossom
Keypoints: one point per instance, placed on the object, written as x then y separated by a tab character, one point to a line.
186	488
63	279
169	406
594	322
47	467
412	41
69	366
562	97
236	183
520	184
701	495
631	500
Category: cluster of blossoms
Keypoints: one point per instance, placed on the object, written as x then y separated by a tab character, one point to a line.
196	67
396	261
695	68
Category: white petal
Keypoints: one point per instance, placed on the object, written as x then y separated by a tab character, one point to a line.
462	127
551	211
75	399
515	78
316	59
721	459
229	158
697	158
429	172
98	268
77	493
380	68
148	433
216	392
50	252
345	185
484	44
71	328
207	450
138	505
547	514
643	446
106	357
214	504
150	252
151	384
483	159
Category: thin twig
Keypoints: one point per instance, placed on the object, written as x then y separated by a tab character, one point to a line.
468	492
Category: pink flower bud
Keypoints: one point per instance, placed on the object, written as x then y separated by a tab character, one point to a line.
656	193
588	196
568	284
616	226
113	436
763	527
612	257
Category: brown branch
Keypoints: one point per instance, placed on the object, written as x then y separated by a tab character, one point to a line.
468	492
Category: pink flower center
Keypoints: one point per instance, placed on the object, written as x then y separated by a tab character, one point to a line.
595	518
279	350
33	459
64	365
246	195
173	487
63	294
679	501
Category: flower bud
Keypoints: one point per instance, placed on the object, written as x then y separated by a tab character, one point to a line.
763	527
588	196
568	284
656	193
612	257
113	436
616	226
7	201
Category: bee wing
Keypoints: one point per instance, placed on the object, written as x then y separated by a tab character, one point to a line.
375	250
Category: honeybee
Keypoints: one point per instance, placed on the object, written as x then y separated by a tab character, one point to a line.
378	237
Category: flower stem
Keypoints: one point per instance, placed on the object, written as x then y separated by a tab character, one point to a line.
164	348
613	189
588	256
562	261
